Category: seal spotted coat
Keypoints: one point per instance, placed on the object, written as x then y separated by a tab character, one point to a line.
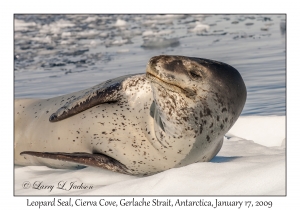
174	115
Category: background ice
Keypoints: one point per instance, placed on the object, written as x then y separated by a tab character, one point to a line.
58	54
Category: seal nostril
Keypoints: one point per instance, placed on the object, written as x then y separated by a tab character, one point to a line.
52	118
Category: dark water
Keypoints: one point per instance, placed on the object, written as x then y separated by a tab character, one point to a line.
58	54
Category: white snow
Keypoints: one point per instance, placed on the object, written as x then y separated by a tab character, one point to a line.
251	162
267	131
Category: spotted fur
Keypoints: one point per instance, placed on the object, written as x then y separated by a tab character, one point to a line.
174	115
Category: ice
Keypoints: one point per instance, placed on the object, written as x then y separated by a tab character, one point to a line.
103	34
116	42
90	19
123	51
119	42
56	27
62	24
66	34
200	28
121	23
151	33
160	43
169	16
148	33
21	25
149	22
46	39
95	43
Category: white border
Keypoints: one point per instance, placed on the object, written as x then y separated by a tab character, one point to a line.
153	6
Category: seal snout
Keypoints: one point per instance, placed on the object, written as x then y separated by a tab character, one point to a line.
166	65
53	118
175	66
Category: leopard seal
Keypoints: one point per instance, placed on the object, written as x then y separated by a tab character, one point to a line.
174	115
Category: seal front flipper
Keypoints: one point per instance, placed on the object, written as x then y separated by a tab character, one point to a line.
96	160
105	92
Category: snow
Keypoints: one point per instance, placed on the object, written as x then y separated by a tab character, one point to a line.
259	129
251	162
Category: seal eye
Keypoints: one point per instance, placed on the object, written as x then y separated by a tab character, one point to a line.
195	75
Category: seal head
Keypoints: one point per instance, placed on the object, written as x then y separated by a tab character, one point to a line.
197	101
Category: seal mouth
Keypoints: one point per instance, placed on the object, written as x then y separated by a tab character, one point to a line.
172	87
161	82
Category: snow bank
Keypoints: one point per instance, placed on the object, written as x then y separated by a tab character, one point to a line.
265	130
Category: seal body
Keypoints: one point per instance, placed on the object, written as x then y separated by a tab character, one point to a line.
174	115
